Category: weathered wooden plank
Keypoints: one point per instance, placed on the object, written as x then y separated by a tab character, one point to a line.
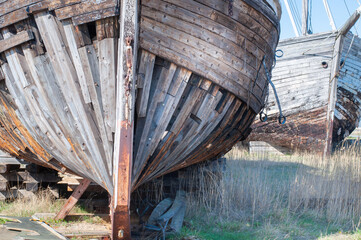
13	17
145	74
11	6
193	98
166	110
90	64
208	144
201	66
66	75
82	36
17	63
96	15
243	22
70	36
83	8
107	72
198	47
208	104
202	28
2	76
20	132
106	28
223	20
55	4
157	97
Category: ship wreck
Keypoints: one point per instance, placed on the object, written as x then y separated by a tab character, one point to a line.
122	92
319	87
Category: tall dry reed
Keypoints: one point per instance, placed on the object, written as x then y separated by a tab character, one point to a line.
265	187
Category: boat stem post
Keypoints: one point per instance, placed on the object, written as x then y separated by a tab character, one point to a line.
125	102
121	212
332	93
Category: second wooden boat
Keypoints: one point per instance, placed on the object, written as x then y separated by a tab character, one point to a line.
318	83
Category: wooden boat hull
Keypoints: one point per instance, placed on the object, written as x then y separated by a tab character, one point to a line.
302	77
198	85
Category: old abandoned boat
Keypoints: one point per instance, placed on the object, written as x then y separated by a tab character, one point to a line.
86	93
318	83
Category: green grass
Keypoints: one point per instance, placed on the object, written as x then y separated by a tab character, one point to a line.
214	231
297	228
3	220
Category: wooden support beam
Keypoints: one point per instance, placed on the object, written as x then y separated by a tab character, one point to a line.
16	40
350	22
73	199
125	102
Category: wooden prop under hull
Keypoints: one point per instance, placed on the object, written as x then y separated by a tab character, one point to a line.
302	77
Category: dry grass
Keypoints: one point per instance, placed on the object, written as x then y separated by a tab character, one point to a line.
302	196
42	202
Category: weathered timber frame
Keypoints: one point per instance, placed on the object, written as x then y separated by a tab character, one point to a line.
125	102
332	93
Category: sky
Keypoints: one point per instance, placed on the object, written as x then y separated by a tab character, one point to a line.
319	19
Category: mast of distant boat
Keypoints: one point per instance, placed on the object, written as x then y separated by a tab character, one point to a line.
329	15
305	17
292	18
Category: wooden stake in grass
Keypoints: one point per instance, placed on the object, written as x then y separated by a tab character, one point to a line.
73	199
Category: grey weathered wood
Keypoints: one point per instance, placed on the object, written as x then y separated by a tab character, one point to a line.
66	75
145	74
83	8
70	36
91	66
15	40
107	71
23	83
158	96
350	22
183	51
